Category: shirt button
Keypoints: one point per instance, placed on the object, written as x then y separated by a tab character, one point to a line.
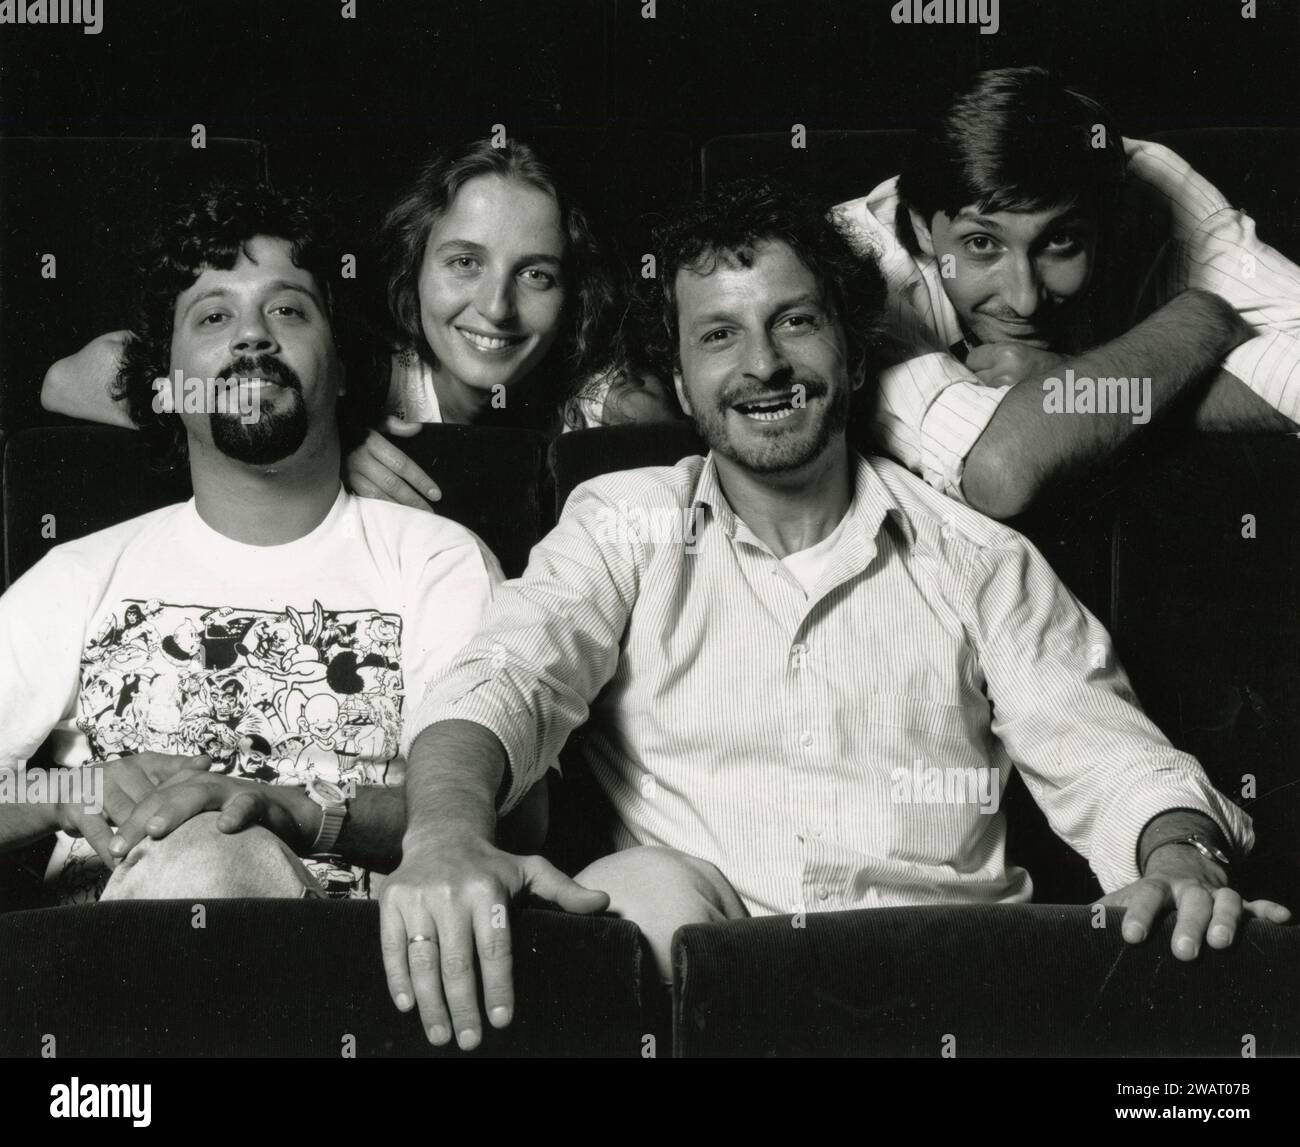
823	893
806	739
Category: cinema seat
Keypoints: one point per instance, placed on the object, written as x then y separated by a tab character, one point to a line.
493	481
834	165
1206	618
62	482
1002	981
268	978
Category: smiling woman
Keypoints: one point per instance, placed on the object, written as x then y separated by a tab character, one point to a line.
505	309
495	279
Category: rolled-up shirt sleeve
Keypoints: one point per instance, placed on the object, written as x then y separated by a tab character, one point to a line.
549	642
932	411
1065	712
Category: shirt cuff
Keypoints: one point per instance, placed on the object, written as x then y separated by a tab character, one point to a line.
1114	856
951	427
1269	364
516	730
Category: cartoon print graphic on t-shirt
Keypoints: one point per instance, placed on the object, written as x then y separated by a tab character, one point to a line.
275	696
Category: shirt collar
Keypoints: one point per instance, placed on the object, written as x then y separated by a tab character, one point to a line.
870	504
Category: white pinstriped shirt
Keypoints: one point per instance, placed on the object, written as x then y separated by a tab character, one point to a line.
1174	231
737	719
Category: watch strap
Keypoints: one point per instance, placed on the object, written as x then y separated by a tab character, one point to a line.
332	818
1205	847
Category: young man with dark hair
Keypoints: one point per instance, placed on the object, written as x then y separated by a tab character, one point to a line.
268	630
886	656
1041	266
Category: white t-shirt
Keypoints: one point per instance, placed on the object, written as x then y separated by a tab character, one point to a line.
807	565
282	662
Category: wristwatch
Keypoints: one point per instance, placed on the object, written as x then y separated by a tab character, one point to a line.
1205	847
334	806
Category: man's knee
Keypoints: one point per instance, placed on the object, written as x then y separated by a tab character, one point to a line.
197	861
660	890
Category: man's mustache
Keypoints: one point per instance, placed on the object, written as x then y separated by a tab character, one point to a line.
811	388
265	366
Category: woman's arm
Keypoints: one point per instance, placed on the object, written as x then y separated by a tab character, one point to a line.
81	385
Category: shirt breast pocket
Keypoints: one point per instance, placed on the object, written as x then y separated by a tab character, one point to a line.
927	765
949	721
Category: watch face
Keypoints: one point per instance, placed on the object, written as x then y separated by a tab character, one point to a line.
327	790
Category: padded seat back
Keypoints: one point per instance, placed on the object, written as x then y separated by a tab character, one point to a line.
1207	623
585	454
291	978
65	482
493	481
1006	980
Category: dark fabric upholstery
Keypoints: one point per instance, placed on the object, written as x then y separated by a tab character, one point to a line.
1004	980
86	477
835	165
90	203
585	454
289	978
1207	622
90	477
492	481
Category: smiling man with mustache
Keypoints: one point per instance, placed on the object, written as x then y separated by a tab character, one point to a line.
750	693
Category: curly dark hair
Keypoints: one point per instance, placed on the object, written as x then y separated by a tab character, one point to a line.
211	230
592	289
729	220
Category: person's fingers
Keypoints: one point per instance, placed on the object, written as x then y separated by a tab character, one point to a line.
492	935
459	983
121	798
401	427
98	834
392	945
167	807
424	957
1145	901
1269	910
402	466
371	479
162	767
1223	922
981	357
543	879
241	810
362	487
1195	907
